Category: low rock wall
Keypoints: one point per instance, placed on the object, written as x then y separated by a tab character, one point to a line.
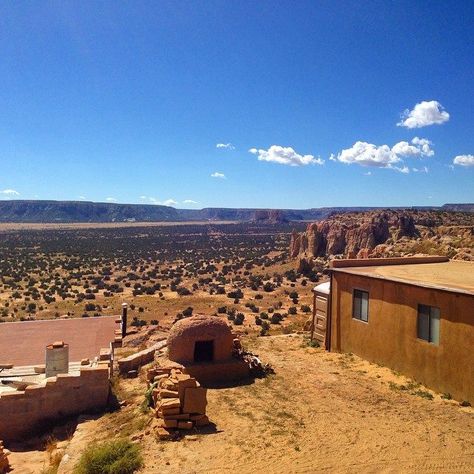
23	413
135	361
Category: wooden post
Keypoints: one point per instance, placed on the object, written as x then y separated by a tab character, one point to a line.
314	315
124	319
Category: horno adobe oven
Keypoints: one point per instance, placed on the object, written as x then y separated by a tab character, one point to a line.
204	346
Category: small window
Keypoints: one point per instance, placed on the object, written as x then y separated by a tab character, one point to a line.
360	308
428	323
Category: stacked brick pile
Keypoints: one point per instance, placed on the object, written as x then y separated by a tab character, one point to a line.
4	464
180	402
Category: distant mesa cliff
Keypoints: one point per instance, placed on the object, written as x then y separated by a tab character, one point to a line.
84	211
387	233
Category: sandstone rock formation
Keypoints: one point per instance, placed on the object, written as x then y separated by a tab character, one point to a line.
4	464
384	233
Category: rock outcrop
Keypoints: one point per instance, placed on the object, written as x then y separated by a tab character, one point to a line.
384	233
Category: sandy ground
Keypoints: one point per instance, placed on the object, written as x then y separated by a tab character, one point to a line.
320	412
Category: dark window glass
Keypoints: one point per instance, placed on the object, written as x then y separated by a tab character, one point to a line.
428	323
360	308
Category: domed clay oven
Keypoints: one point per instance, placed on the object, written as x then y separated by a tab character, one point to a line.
200	339
203	345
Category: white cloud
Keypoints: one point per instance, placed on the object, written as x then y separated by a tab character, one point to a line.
464	160
153	200
227	146
420	170
10	192
82	198
423	114
419	147
189	201
368	154
285	156
111	199
216	174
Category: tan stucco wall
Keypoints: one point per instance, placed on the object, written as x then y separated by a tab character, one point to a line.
390	336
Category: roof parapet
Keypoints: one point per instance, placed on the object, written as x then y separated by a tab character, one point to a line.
371	262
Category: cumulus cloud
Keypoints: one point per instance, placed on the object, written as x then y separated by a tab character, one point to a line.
423	114
216	174
189	201
418	147
82	198
368	154
111	199
464	160
227	146
285	156
10	192
153	200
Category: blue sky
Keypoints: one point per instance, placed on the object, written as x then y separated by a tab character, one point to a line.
128	101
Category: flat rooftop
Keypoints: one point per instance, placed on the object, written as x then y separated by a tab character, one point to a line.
24	342
455	275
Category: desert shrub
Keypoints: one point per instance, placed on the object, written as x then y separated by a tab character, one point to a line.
268	287
293	295
276	318
263	315
292	310
305	308
237	294
239	319
265	328
112	457
258	321
183	291
188	312
222	309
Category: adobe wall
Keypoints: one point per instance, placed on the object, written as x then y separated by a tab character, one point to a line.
23	413
390	336
186	332
215	373
135	361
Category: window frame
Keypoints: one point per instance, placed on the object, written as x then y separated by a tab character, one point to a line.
354	305
430	318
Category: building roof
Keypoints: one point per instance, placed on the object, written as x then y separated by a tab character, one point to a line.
455	276
323	288
24	343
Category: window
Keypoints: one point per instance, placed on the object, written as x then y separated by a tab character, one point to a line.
428	323
360	309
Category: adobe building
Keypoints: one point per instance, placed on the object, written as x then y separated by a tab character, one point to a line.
204	345
414	315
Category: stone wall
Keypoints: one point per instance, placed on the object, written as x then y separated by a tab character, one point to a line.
135	361
22	413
